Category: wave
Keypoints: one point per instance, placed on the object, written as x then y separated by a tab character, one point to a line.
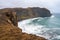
52	16
39	30
29	28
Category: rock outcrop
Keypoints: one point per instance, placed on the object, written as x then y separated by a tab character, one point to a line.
26	13
9	29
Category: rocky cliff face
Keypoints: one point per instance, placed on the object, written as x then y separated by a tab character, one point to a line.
9	29
26	13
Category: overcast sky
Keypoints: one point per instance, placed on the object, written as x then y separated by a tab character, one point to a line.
52	5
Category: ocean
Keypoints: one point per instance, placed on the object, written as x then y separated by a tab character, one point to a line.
48	27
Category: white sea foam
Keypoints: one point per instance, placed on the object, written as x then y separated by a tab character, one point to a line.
39	30
52	16
29	28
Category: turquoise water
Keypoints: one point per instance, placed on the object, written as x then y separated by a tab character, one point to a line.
48	27
52	22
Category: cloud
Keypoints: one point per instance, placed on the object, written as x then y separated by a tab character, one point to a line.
52	5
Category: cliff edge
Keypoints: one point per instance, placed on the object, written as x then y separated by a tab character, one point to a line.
9	29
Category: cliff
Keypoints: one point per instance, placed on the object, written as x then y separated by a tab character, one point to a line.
9	29
26	13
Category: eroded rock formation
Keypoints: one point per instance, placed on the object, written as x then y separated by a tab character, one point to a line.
9	29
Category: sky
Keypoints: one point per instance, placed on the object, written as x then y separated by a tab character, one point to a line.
52	5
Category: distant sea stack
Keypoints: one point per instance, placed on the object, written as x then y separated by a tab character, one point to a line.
26	13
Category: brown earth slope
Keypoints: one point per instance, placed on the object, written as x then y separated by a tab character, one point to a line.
9	29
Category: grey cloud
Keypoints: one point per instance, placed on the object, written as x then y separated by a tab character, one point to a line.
52	5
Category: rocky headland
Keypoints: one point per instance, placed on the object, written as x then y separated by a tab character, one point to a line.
26	13
9	18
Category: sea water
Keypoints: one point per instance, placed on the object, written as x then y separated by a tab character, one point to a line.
48	27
